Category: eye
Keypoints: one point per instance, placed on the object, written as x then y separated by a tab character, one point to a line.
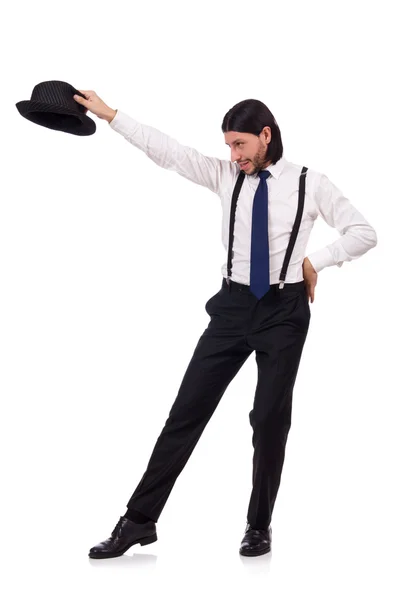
240	143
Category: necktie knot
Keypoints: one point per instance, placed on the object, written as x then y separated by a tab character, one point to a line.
264	175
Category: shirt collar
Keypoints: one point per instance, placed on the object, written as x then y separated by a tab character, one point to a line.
275	169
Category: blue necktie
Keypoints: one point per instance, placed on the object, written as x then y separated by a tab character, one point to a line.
259	277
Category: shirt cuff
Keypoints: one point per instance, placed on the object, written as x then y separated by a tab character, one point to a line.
322	258
123	123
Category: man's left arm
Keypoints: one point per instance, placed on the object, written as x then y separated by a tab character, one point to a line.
357	235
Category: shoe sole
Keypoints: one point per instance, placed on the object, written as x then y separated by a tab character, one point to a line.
254	552
142	542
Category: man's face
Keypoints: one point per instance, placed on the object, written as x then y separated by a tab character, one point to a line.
249	150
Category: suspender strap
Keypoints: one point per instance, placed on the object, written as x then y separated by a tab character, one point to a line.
235	196
295	229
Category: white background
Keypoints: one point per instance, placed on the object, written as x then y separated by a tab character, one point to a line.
107	261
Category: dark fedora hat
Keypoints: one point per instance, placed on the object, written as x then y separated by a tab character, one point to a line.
52	105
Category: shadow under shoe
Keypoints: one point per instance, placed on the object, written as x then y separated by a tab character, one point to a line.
124	535
256	541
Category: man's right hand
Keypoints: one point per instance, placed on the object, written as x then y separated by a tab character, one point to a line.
93	103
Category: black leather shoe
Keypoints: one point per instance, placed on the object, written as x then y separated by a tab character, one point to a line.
124	535
256	541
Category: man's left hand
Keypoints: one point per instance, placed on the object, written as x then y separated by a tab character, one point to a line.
310	277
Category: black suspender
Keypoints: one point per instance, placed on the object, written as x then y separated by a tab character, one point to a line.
235	196
295	229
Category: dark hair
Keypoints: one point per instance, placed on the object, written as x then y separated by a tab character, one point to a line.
251	116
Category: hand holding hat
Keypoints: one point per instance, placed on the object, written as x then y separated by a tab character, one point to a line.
93	103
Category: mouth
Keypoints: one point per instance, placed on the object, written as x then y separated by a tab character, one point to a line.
244	164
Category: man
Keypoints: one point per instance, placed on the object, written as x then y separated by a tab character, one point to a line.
269	208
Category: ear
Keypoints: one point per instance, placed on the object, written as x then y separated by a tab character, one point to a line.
266	135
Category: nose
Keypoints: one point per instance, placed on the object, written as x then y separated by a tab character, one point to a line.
235	156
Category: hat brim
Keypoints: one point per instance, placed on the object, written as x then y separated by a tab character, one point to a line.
56	117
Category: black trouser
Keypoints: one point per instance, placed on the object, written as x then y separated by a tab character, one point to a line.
275	327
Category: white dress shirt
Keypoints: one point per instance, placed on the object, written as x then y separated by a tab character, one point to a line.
322	198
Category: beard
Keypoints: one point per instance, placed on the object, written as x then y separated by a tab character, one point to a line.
259	160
